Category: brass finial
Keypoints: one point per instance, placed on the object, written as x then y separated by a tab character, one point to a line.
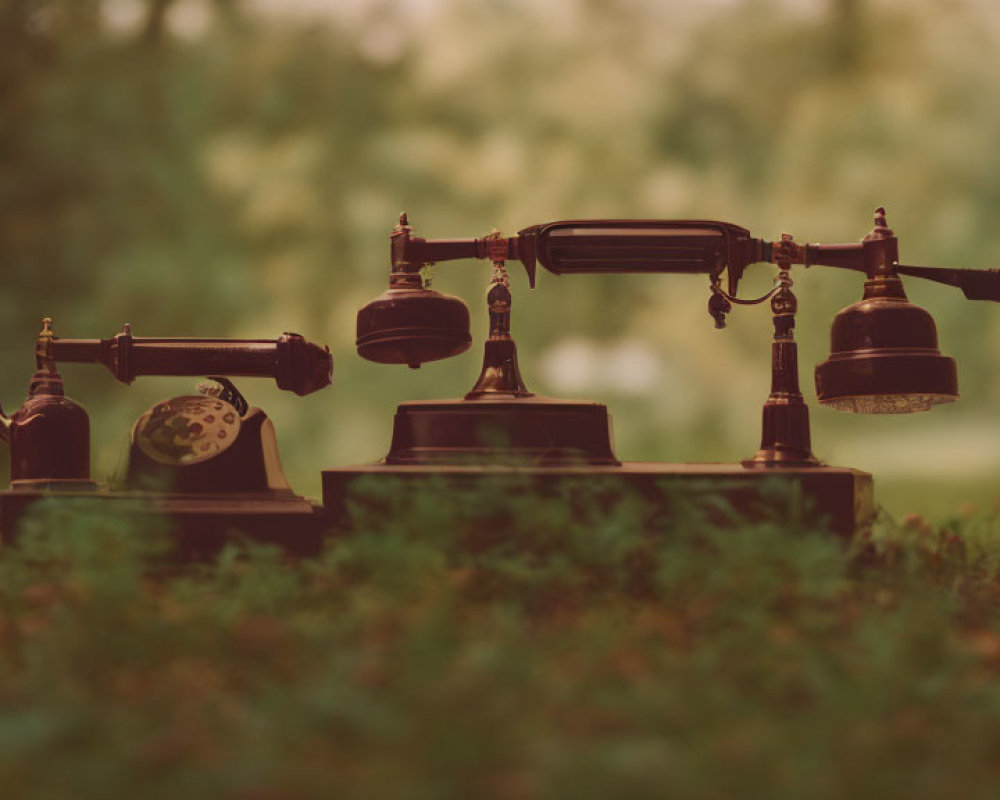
880	229
402	228
43	347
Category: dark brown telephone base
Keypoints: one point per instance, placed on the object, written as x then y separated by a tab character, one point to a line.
837	499
200	525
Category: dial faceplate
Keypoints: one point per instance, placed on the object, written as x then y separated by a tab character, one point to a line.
187	430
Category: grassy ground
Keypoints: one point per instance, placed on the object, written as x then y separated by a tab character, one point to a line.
937	500
503	648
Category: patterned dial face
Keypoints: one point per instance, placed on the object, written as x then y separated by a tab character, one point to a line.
187	430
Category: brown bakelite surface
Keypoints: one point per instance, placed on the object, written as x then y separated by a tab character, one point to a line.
501	430
412	326
836	498
885	359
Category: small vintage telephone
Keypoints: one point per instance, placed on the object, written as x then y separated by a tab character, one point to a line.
213	443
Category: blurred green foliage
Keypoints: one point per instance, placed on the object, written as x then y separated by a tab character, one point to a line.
496	647
228	167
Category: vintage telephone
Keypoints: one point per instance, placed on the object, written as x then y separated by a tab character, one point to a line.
209	444
884	353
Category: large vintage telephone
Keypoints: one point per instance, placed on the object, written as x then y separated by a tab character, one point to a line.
884	357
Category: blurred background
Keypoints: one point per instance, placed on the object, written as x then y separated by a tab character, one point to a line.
234	167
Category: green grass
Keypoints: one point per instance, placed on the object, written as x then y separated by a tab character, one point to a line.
937	500
503	647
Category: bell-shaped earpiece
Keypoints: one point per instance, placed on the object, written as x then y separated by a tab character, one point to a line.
409	324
